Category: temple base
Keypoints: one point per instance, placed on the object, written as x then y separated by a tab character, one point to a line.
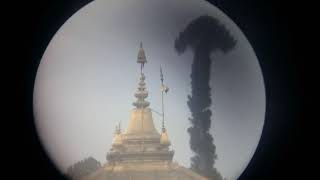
144	171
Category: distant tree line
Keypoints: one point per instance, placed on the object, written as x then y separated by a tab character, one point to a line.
83	168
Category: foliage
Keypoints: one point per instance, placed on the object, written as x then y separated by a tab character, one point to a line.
83	168
203	35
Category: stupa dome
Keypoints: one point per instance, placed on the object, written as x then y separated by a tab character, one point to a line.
141	122
117	140
164	139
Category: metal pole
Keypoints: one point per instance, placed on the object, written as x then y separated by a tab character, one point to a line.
162	110
162	86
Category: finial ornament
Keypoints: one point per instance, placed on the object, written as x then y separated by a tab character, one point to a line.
141	57
117	139
118	129
161	75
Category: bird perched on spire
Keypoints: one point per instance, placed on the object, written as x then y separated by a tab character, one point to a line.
163	87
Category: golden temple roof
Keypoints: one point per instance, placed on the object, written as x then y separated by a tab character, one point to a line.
140	152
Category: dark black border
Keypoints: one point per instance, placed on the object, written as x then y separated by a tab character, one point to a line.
270	28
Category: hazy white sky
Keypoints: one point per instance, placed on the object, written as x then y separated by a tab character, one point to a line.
88	75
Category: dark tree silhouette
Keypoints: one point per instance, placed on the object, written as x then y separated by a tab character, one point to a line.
83	168
203	35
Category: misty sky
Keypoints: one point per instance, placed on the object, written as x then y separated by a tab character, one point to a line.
88	75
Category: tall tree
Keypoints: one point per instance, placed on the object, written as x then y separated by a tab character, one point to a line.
203	35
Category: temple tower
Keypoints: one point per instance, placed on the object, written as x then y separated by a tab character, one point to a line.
140	142
141	152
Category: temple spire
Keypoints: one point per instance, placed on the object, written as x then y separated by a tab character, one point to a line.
141	151
141	93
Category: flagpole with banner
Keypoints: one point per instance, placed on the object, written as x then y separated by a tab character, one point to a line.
165	89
